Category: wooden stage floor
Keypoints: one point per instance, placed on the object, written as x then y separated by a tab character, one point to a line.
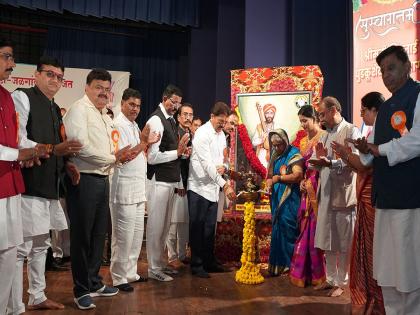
190	295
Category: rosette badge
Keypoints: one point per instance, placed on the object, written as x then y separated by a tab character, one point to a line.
115	136
398	121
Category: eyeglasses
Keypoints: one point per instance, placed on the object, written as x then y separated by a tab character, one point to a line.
186	115
134	106
174	102
51	74
7	56
101	88
323	113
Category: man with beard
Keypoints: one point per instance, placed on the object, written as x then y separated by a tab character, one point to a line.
336	195
178	230
164	175
260	138
11	181
88	197
40	122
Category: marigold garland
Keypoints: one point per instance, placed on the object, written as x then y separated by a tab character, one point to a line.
299	136
249	273
250	153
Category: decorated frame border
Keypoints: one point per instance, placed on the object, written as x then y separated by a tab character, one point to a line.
276	79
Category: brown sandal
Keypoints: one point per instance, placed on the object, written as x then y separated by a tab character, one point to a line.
324	286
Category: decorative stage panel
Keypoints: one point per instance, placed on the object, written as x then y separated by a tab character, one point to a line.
267	99
264	99
228	245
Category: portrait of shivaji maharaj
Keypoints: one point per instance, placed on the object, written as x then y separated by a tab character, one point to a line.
264	112
266	115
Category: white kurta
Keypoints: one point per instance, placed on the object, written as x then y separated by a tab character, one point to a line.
10	222
397	234
160	194
333	233
128	199
258	139
180	209
39	215
128	184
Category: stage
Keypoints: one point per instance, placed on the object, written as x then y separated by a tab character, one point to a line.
219	295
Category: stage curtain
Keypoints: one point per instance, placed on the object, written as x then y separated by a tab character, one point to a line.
321	34
171	12
154	59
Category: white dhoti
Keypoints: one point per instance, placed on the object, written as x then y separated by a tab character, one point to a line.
337	254
396	263
60	240
39	215
127	238
179	229
10	237
159	214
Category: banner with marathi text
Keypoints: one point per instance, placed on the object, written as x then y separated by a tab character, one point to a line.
378	24
73	85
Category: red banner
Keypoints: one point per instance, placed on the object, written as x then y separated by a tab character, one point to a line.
378	24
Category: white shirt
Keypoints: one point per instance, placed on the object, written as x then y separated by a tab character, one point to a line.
8	154
21	101
84	122
207	153
402	149
23	107
129	180
154	155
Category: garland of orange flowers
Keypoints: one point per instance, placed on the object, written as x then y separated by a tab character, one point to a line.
250	152
249	273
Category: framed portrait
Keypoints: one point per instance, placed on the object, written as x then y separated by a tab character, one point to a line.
266	99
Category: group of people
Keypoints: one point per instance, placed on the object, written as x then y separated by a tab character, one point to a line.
95	165
339	202
342	202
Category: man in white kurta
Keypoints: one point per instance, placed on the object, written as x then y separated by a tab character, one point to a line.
179	228
396	245
11	181
128	196
164	175
336	196
41	209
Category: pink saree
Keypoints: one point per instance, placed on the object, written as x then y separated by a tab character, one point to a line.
308	263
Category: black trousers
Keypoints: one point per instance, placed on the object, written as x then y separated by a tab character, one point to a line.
88	205
203	217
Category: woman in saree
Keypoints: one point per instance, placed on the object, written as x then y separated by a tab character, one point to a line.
284	175
308	263
365	294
